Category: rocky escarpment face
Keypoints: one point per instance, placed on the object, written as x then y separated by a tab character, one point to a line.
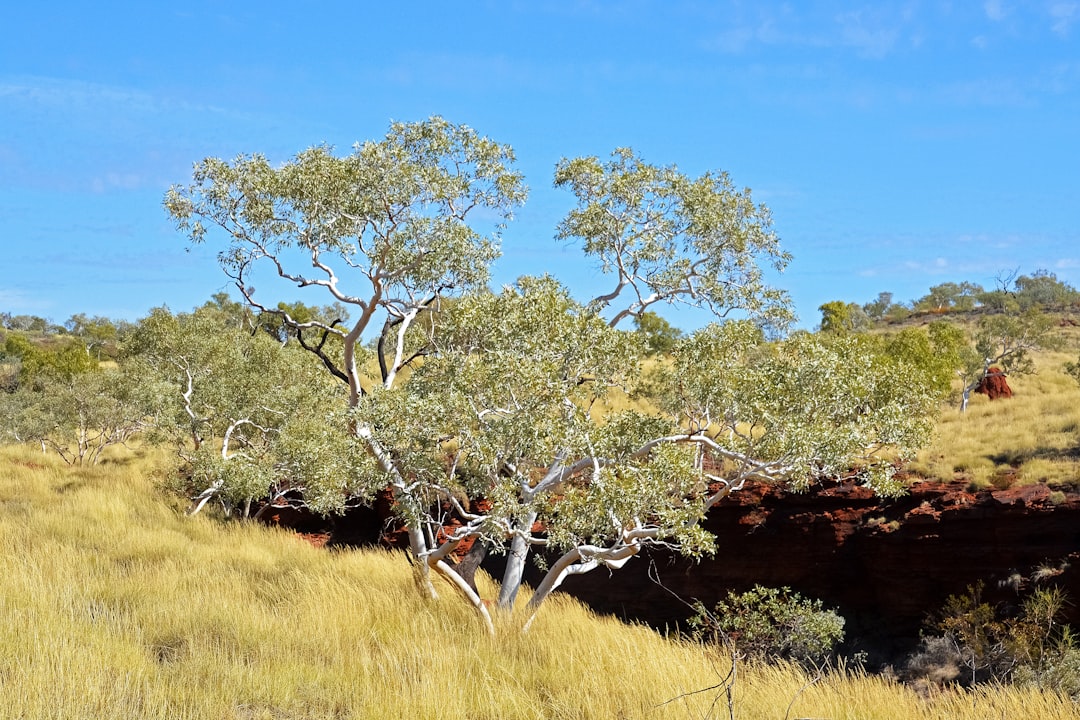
885	564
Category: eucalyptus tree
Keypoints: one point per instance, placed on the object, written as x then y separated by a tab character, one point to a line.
78	417
660	335
877	309
63	400
234	402
1004	340
951	296
480	410
838	316
98	334
1043	289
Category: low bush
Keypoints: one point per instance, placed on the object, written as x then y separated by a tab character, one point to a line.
764	623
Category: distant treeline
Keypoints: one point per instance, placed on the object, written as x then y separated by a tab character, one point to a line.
1014	293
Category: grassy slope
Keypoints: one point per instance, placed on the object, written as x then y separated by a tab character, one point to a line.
1032	437
113	604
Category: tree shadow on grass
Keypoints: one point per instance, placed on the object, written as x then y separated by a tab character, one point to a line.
1017	458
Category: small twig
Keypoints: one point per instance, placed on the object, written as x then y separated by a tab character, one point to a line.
728	683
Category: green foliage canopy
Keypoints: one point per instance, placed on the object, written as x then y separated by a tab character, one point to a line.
477	408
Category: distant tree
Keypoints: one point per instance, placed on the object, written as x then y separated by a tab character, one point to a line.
98	334
77	417
838	316
1043	289
28	323
1003	296
968	297
40	362
876	310
897	312
951	296
660	335
1000	300
61	399
273	321
232	314
1005	341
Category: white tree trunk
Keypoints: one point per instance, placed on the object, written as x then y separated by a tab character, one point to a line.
463	587
418	547
576	562
515	563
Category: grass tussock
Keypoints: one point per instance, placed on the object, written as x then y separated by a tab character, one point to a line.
114	604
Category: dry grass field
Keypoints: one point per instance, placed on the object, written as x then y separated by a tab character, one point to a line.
1033	437
113	604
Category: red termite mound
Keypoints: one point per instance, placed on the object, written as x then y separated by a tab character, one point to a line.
993	385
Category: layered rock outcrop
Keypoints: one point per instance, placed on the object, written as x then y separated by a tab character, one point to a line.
885	564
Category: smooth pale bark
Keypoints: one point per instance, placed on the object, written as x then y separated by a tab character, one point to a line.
522	540
515	563
458	582
418	544
575	562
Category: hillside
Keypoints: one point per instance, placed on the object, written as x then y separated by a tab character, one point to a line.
116	605
994	498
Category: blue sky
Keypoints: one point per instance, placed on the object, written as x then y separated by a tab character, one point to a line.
898	144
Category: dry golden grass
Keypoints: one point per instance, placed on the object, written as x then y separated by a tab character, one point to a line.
1033	437
113	604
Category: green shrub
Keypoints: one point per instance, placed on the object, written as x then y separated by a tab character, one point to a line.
772	623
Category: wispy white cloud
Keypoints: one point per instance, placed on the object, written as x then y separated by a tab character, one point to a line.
867	33
19	302
83	136
119	181
995	10
872	31
987	92
765	25
1063	15
84	96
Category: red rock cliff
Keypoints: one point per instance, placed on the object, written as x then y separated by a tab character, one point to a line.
885	564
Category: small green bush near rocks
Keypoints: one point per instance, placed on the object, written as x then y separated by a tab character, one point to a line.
768	622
